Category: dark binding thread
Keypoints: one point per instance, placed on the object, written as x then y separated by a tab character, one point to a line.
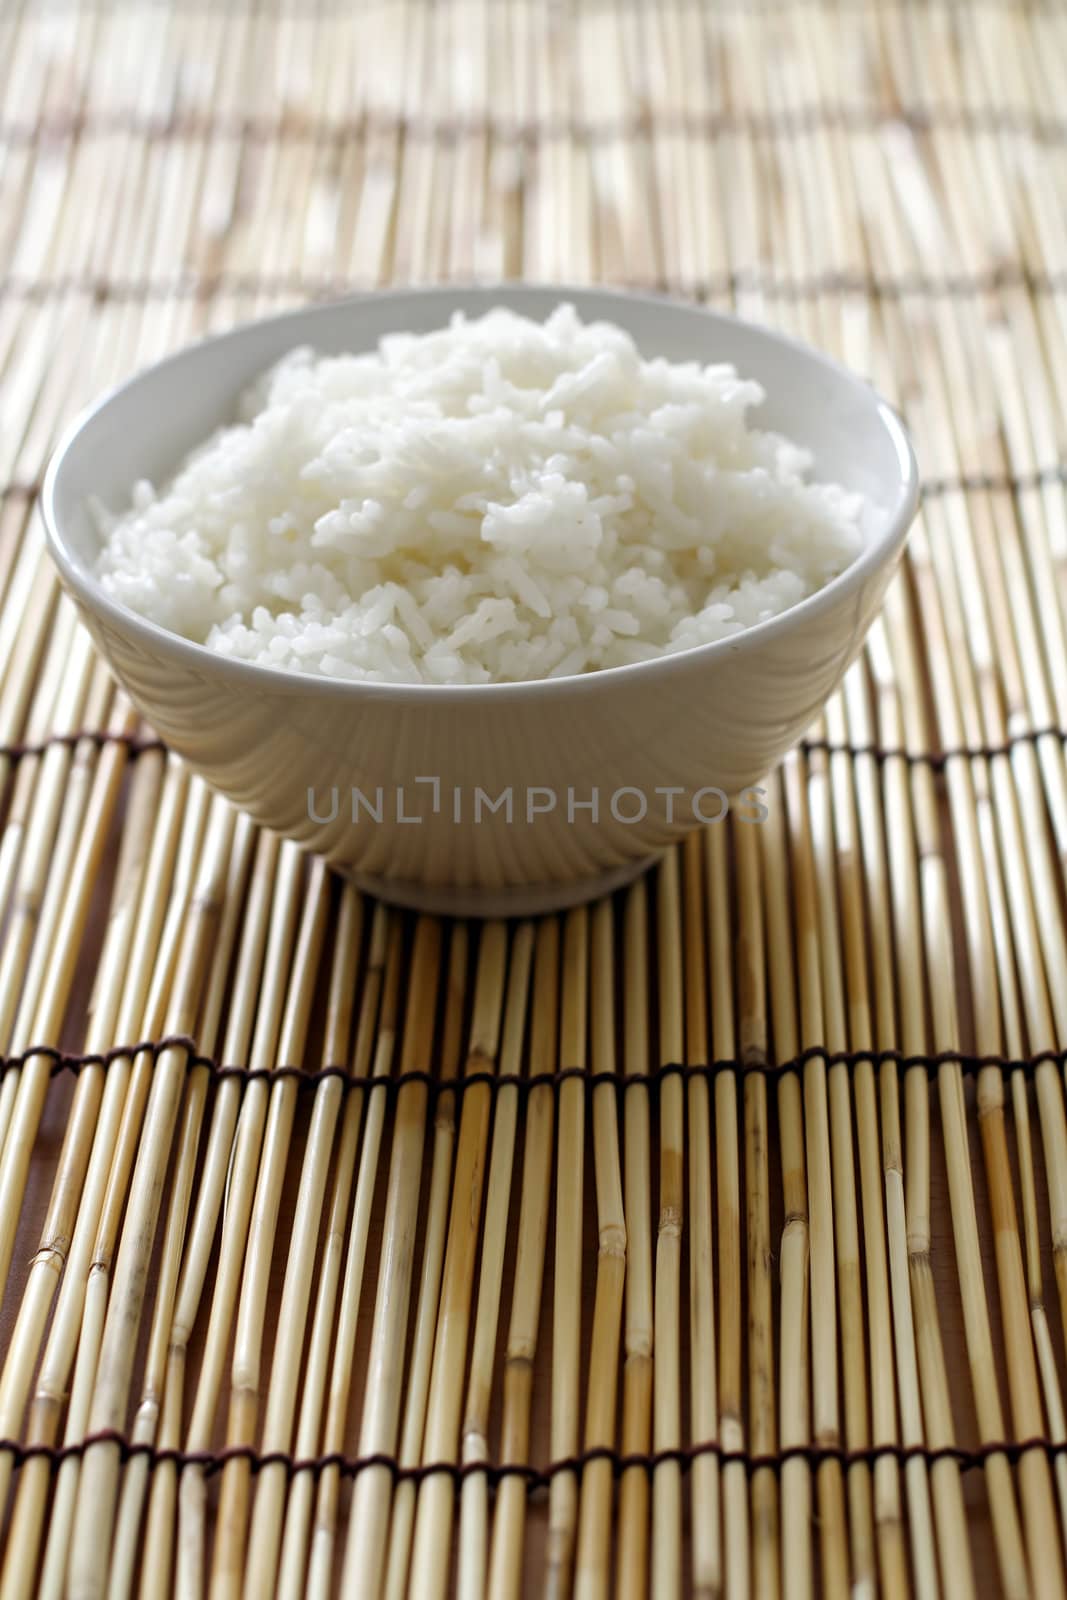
754	1062
753	280
938	759
810	117
101	737
534	1477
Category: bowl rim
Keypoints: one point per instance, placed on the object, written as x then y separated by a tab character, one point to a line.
880	548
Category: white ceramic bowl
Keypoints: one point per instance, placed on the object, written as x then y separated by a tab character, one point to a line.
299	752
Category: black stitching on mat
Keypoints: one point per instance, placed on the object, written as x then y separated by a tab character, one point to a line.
994	482
786	123
754	1062
938	759
762	280
136	745
77	1061
212	1461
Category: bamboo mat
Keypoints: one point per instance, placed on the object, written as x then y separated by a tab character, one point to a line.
709	1241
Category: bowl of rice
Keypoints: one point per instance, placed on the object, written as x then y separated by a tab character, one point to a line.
485	594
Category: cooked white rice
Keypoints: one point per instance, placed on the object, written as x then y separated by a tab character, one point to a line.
498	500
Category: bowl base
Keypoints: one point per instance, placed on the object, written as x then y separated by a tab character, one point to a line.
524	900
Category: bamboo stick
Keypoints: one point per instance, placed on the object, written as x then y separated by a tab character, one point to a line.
705	1477
416	1420
729	1237
567	1279
846	1211
827	1204
795	1329
666	1569
365	1549
752	1037
632	1556
474	1508
593	1561
440	1440
887	1509
506	1544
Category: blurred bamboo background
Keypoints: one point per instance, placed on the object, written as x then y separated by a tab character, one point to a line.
710	1241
